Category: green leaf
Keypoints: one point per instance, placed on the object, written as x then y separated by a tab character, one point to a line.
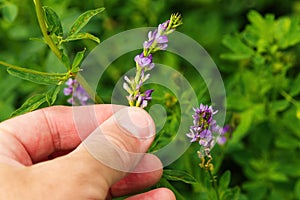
53	21
279	105
241	50
260	32
83	19
236	45
178	175
278	177
225	180
291	121
297	189
77	60
52	93
10	12
295	89
36	76
33	75
81	36
287	32
30	104
66	61
241	131
256	19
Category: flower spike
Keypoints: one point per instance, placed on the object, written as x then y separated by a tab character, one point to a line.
157	40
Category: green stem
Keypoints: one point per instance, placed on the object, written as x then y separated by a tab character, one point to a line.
29	70
214	183
88	89
136	82
288	97
41	19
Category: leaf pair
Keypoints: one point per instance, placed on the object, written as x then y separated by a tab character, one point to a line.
52	79
54	25
35	76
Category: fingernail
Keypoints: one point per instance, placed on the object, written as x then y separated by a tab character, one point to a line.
136	121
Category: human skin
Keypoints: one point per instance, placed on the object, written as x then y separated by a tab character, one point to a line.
42	156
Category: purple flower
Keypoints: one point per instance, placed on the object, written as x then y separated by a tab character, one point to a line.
145	98
144	61
157	40
222	139
79	95
205	129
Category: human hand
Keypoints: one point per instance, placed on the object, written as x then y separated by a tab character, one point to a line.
28	141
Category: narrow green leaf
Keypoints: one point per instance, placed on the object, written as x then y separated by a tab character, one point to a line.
178	175
83	19
78	58
278	177
40	78
257	20
246	119
66	61
225	180
235	44
33	75
51	94
279	105
30	104
81	36
53	21
10	12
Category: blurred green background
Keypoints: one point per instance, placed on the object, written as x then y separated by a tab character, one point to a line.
256	55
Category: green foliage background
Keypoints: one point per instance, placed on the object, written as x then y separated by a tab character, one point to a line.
255	44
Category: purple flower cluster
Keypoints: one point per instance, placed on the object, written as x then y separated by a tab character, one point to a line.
133	87
79	95
157	40
205	129
145	62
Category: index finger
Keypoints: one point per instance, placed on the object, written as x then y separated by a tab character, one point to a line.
52	129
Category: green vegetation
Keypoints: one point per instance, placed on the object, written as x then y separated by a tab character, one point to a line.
255	45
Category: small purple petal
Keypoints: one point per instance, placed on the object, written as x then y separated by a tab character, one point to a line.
147	44
162	39
162	46
148	93
68	91
221	140
79	95
70	100
69	82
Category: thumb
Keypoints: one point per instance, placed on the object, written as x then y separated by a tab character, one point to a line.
119	143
